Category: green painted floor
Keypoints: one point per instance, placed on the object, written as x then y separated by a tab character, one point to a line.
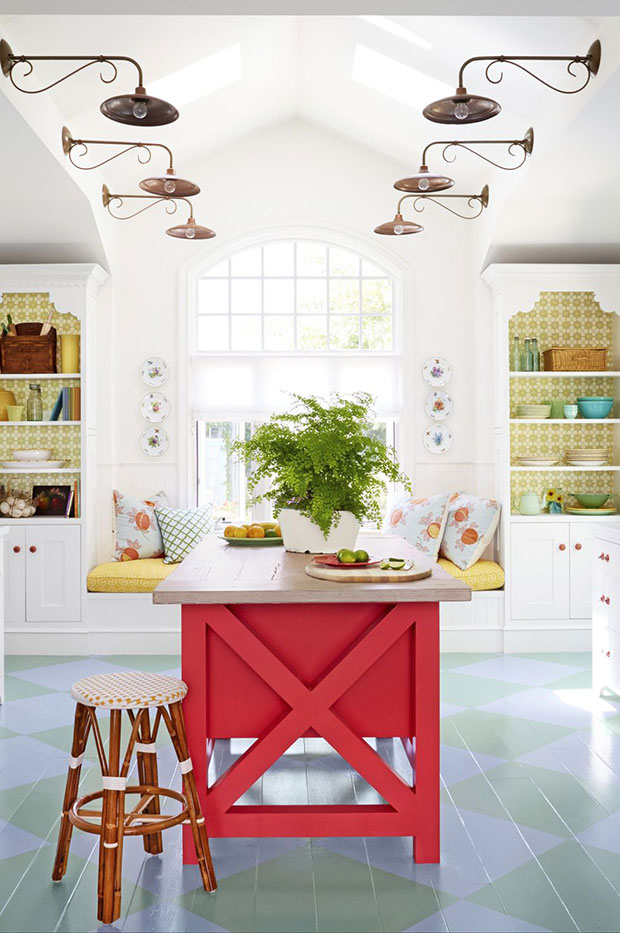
530	817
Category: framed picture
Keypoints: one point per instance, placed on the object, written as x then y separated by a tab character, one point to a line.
53	500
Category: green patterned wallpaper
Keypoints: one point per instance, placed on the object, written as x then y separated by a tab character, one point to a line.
536	390
569	483
564	319
538	440
63	441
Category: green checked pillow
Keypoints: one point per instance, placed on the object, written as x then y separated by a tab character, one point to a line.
182	530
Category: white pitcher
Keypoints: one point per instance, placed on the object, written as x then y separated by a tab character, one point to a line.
530	503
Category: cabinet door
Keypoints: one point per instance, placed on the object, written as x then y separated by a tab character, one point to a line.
580	570
15	574
540	561
53	578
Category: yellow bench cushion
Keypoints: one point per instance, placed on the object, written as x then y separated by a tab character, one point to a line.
483	575
128	576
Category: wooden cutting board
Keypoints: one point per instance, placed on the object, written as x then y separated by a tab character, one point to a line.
366	575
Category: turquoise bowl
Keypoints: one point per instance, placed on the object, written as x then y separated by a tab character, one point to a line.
595	406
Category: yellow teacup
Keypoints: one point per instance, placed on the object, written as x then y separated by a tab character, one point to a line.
15	412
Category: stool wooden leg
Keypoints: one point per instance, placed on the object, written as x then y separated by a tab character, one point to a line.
147	774
80	735
112	820
199	832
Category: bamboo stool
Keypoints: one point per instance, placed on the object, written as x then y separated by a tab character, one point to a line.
136	693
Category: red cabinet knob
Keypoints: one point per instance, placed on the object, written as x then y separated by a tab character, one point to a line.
562	547
578	547
601	556
16	549
608	654
607	600
32	549
607	557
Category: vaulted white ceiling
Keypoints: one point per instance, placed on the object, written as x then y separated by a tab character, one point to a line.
348	75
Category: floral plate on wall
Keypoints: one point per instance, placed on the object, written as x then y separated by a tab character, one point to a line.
437	371
154	372
438	405
154	442
438	438
154	407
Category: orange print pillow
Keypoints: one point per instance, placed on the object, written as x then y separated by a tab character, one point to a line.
137	529
471	524
421	520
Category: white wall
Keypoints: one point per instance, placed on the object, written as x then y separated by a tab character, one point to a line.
295	173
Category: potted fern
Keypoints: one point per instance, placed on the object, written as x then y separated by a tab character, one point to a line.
324	470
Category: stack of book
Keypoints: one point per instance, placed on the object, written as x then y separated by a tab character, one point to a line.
69	402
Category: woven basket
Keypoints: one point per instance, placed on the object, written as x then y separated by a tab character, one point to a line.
575	359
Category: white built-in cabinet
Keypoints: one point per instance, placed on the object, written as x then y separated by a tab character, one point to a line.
606	608
548	558
42	568
46	560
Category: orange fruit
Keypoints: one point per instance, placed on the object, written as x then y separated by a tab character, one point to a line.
255	531
129	553
461	514
143	521
240	533
433	529
469	536
277	531
229	531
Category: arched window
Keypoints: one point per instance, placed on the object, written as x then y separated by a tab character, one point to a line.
294	314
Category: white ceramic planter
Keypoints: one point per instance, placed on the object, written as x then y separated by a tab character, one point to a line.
301	535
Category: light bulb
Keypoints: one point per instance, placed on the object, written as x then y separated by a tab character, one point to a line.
398	229
139	110
424	184
169	186
190	233
461	111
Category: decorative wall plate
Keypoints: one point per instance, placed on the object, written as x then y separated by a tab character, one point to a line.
438	438
154	441
438	405
437	371
154	372
154	407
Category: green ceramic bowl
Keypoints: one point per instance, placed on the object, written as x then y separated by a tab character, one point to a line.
592	500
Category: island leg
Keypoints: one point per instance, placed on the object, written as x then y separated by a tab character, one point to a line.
194	671
426	845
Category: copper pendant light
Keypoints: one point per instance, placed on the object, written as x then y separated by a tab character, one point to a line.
190	231
423	181
398	227
187	231
137	109
473	108
158	185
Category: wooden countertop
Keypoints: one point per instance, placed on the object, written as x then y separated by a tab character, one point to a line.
218	573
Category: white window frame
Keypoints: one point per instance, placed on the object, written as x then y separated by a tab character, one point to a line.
402	296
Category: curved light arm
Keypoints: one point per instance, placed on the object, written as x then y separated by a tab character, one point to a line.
69	144
9	60
526	145
590	62
171	203
479	201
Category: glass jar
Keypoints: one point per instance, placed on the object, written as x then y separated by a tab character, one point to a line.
535	354
527	358
34	404
515	363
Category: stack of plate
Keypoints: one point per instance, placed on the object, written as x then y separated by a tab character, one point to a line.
531	412
540	462
587	456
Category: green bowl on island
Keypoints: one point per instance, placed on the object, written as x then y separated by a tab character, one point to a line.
592	500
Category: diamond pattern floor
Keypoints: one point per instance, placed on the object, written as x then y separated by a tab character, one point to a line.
530	817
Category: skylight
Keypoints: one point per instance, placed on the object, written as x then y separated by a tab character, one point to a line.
200	78
395	80
388	25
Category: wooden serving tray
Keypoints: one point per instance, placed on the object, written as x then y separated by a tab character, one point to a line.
366	575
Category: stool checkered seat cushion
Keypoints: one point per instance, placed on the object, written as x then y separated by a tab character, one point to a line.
128	690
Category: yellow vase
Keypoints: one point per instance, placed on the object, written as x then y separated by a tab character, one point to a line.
69	353
6	398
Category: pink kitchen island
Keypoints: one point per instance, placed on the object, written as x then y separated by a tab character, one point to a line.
270	654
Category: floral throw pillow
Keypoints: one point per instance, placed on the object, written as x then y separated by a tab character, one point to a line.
421	522
137	530
469	530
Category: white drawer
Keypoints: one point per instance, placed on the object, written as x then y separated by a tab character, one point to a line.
606	600
607	555
606	660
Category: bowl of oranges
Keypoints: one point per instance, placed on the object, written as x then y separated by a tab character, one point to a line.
252	534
